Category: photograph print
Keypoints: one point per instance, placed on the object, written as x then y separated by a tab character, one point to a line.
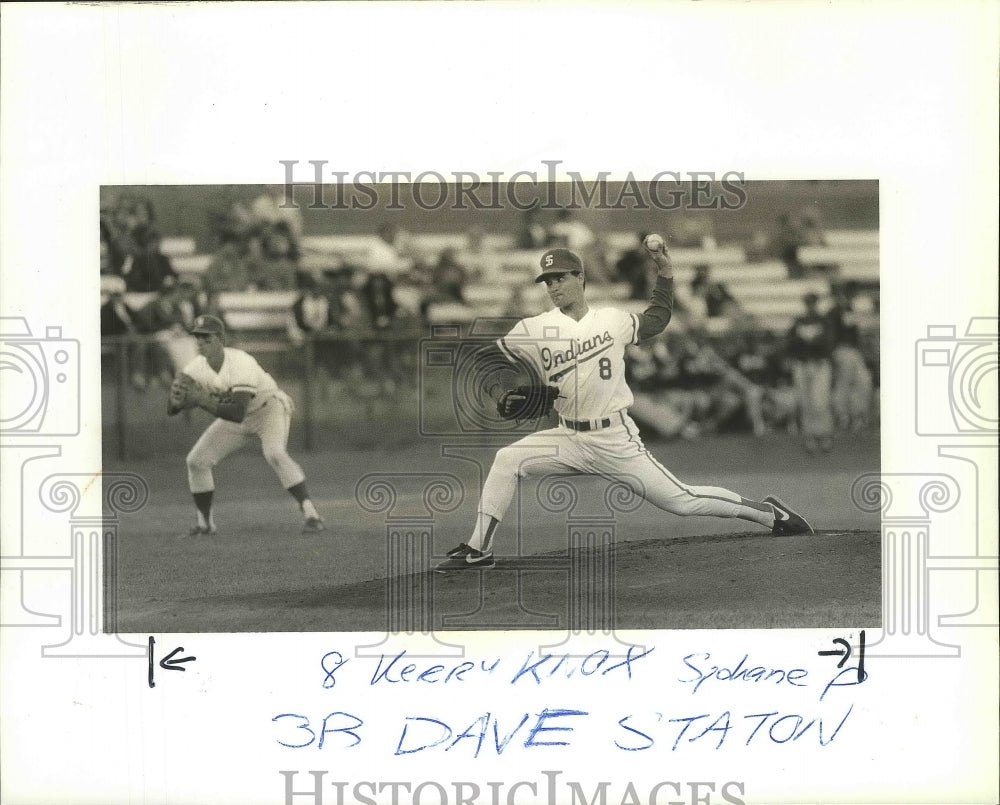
447	404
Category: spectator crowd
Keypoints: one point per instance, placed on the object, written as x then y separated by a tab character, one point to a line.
693	380
818	379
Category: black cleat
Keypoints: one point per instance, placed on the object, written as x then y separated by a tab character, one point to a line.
465	558
787	522
313	525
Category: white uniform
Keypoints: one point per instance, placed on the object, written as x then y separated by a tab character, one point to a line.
268	417
586	360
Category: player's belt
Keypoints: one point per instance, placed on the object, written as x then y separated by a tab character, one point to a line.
586	424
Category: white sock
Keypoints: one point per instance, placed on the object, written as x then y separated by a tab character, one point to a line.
760	513
482	534
309	510
767	520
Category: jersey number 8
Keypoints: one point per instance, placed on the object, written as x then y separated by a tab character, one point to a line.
604	368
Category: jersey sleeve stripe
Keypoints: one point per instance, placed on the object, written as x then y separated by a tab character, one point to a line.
635	328
506	350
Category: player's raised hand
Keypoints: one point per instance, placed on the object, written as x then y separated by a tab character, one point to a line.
655	244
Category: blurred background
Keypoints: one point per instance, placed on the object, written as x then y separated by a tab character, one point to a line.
335	302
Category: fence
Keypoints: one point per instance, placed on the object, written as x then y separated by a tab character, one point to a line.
360	389
356	389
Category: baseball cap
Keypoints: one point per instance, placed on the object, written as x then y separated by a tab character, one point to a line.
558	261
209	325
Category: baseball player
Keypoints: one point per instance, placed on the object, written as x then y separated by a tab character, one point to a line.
231	385
579	351
810	342
851	394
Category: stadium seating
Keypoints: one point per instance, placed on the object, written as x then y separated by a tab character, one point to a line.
742	274
178	246
430	245
762	289
346	246
856	260
248	313
190	266
257	311
451	313
852	237
789	289
682	257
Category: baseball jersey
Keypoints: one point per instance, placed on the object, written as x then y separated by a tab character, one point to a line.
809	338
844	326
239	372
585	359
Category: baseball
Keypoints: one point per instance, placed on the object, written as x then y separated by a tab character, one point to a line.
653	242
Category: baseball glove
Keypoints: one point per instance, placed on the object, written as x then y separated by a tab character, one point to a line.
179	397
530	401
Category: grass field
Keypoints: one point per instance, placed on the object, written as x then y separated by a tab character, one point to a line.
660	571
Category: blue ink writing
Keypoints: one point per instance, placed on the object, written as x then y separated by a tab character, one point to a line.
442	736
336	722
545	715
647	738
739	673
394	671
337	661
856	676
420	732
717	731
543	668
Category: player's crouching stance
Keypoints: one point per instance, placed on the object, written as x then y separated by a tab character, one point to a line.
578	353
231	385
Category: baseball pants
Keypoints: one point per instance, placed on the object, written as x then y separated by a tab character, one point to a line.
269	424
852	387
812	382
616	453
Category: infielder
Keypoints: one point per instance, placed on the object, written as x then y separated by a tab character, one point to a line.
231	385
579	352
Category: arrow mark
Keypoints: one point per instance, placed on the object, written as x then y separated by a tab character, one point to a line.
845	654
170	664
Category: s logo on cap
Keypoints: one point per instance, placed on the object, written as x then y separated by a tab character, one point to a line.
208	325
549	260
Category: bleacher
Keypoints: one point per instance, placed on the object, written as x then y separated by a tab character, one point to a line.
762	289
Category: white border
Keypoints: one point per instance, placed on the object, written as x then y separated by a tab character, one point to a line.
218	93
